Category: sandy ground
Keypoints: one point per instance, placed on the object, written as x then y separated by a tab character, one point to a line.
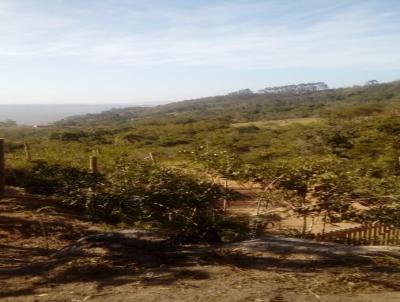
284	221
41	260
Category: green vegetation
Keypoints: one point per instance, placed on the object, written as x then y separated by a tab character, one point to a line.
329	150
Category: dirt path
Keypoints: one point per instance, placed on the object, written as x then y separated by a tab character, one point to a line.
131	266
280	220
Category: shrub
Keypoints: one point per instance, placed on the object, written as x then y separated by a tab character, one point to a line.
164	198
47	179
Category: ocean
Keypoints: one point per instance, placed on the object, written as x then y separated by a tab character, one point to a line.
45	114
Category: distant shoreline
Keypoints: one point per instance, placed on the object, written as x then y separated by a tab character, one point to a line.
42	114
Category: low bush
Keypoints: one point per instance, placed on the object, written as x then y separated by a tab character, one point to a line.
45	179
138	193
162	198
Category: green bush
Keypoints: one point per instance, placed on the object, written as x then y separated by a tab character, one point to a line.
47	179
163	198
138	193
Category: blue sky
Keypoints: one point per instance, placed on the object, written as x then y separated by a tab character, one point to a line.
146	52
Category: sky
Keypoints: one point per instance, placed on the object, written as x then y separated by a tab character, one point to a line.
157	51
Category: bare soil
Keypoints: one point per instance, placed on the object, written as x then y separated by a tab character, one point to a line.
49	253
280	220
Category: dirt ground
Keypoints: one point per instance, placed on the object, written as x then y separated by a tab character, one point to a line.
42	259
281	221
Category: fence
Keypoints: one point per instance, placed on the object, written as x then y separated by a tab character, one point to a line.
368	234
93	162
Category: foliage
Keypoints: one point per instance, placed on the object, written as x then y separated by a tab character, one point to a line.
331	149
47	179
168	198
137	193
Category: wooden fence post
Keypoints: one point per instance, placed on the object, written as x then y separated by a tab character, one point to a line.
27	149
93	165
153	158
369	240
2	169
225	201
375	234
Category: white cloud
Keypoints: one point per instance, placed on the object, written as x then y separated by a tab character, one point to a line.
230	34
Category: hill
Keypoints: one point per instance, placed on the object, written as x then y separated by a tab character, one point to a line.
220	170
243	107
327	152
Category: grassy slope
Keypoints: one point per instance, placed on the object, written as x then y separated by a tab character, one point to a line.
253	107
310	122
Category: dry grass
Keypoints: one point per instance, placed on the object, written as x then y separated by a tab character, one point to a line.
280	123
